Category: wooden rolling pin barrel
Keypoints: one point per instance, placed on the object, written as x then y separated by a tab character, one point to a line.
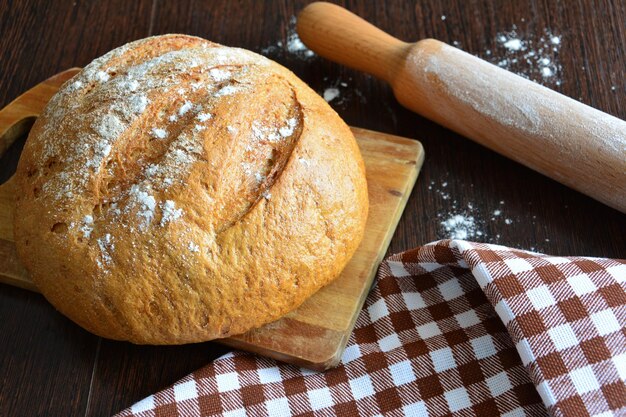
564	139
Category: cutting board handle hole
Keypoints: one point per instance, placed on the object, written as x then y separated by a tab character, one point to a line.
11	144
11	155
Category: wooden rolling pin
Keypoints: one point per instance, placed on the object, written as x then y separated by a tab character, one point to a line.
564	139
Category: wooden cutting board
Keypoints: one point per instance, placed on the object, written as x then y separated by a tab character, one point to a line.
314	335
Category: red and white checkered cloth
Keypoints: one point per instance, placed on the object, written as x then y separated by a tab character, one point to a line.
452	327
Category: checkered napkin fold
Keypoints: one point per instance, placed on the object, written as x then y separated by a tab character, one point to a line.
452	327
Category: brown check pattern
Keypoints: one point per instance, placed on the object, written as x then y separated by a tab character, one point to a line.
452	328
567	318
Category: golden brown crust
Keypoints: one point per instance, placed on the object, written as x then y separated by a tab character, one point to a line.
178	191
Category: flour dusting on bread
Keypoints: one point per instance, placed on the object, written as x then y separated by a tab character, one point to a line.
170	212
161	197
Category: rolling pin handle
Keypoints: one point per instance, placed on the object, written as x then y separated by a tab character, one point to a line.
340	36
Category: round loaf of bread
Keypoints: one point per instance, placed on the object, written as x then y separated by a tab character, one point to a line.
178	191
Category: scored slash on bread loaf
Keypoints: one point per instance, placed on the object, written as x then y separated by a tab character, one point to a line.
177	191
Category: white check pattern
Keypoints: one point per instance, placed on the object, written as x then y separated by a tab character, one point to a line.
451	327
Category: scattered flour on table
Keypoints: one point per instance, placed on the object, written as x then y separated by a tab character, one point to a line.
339	92
461	226
529	55
331	93
297	47
464	220
293	45
459	222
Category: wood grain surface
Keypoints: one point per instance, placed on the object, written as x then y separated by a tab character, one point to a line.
48	366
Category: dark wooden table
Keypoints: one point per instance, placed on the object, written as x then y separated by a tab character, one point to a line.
51	367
